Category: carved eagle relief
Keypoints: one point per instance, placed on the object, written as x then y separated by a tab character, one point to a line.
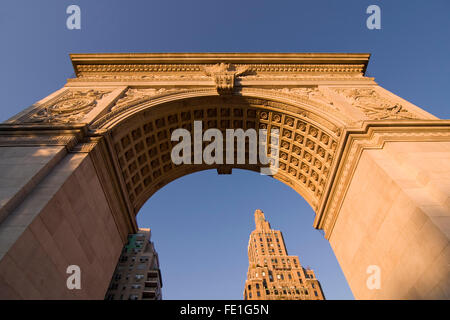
224	75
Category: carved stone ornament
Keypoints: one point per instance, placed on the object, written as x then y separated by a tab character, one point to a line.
70	107
310	93
374	105
135	96
224	75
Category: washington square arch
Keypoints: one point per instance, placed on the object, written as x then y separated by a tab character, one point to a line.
77	166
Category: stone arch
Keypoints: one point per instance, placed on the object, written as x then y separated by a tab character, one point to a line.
142	142
78	165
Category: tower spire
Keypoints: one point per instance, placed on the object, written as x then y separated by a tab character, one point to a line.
272	273
260	221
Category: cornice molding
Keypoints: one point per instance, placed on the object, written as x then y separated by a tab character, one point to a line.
194	62
216	57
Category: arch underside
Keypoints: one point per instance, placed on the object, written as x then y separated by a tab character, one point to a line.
142	143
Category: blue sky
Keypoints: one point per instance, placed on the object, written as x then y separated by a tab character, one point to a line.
201	222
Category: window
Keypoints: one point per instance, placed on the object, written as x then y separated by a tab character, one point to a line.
113	286
315	293
257	286
258	294
133	297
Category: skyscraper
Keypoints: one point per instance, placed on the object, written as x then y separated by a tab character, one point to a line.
137	275
272	273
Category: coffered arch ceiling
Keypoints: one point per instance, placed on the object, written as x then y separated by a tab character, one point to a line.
140	130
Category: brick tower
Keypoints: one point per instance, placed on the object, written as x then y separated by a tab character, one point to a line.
272	273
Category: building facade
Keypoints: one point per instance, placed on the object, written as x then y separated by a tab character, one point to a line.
137	275
272	273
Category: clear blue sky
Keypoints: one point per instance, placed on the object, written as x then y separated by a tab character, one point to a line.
201	222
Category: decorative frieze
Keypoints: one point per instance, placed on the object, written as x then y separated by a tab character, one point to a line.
86	69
